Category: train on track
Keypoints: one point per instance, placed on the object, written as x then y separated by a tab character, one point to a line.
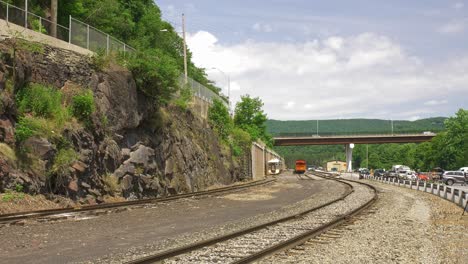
274	166
301	167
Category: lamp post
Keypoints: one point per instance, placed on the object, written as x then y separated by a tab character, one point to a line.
228	86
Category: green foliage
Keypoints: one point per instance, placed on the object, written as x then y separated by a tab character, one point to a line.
218	116
19	188
241	141
25	128
184	98
40	100
36	25
100	60
60	169
250	117
10	196
447	150
82	105
156	74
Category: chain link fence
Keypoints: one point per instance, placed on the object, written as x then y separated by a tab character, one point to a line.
85	36
88	37
200	90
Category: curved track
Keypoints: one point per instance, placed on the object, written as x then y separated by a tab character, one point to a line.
256	242
15	217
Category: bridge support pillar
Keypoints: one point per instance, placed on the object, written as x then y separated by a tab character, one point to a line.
349	157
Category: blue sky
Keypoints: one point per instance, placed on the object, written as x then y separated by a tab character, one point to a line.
334	59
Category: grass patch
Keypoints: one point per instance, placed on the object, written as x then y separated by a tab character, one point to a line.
11	196
111	184
184	98
8	153
40	100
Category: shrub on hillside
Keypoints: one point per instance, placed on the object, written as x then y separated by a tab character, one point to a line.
218	116
40	100
82	105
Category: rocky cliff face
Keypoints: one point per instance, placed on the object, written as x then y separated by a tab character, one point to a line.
134	148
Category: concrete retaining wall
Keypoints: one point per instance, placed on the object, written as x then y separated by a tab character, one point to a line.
454	195
9	30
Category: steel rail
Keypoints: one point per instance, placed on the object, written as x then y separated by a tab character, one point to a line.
298	240
192	247
12	217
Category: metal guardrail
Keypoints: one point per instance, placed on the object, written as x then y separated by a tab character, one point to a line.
454	195
356	134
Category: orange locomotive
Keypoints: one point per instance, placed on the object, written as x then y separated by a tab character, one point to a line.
301	166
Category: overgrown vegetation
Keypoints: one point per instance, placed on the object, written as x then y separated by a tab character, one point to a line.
82	105
8	153
61	168
184	98
159	60
248	124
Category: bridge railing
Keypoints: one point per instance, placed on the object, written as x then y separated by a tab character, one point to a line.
354	134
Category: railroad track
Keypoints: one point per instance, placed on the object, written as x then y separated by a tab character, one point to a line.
55	213
254	243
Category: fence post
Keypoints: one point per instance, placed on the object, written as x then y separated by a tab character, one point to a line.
70	30
107	44
40	24
26	13
87	37
425	186
125	48
417	185
411	184
7	11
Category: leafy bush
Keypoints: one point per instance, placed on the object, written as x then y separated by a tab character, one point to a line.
100	60
241	141
40	100
218	116
184	98
25	129
82	105
156	74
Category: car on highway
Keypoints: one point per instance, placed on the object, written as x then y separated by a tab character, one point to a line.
379	173
391	174
452	177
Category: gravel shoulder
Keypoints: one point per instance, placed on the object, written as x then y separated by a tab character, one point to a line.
403	226
113	238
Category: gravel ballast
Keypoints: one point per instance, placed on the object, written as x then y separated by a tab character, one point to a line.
403	226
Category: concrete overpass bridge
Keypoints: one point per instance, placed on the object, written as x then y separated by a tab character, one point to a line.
350	140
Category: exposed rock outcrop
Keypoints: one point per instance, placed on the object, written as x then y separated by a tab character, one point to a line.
150	151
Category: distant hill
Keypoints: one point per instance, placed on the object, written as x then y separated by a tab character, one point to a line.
353	126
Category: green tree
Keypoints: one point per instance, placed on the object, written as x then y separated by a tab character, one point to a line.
249	116
218	116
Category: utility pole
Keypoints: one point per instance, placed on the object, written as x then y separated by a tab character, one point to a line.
185	49
53	18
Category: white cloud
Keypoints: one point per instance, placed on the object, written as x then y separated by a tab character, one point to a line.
365	75
453	27
458	5
289	105
435	102
262	27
